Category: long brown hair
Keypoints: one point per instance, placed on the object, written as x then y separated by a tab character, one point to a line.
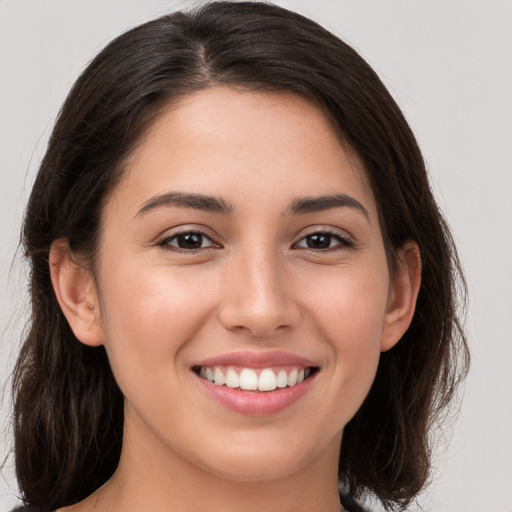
68	413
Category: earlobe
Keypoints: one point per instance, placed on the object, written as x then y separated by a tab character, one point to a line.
76	293
403	295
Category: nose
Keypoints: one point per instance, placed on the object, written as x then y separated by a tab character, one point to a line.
257	297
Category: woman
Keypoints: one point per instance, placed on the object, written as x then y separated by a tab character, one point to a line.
243	293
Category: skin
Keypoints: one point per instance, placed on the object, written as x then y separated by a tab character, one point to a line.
254	285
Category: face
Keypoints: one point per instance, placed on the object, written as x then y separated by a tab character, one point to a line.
243	250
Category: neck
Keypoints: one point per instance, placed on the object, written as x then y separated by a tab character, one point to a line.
150	477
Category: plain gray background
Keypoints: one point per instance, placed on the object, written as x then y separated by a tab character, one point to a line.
449	65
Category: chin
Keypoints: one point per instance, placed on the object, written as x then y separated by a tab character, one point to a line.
256	470
268	458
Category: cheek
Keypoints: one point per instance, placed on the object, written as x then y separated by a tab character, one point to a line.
150	316
348	308
348	304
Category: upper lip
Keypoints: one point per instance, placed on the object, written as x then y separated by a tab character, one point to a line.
248	359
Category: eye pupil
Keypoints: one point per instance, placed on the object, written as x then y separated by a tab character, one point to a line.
319	241
189	241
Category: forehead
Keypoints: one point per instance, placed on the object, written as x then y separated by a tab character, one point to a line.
239	143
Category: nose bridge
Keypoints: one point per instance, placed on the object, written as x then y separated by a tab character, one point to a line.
257	294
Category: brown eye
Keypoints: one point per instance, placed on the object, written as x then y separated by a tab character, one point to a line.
188	241
323	241
320	241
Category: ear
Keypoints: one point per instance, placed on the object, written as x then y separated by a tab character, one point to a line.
402	295
76	293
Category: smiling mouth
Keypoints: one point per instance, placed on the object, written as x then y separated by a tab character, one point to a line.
252	379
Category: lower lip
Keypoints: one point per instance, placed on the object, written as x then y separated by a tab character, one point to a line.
255	403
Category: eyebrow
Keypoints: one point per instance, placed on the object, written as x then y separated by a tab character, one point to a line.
322	203
213	204
186	200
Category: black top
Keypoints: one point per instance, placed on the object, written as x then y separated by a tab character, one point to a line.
348	504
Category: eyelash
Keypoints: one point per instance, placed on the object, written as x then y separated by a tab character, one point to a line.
344	241
166	242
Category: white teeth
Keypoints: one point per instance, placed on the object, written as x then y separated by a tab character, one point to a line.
248	379
292	377
219	377
282	379
232	379
267	381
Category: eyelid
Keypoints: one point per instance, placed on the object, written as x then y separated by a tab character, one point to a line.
163	240
347	241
